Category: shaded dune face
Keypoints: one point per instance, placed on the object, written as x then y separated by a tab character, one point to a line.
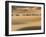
30	28
31	22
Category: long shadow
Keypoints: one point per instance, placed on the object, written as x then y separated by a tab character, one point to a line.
30	28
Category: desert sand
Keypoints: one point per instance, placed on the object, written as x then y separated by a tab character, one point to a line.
26	22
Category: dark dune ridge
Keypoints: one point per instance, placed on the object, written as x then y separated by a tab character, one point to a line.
25	6
30	28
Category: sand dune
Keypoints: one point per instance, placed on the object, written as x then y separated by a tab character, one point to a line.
19	22
24	19
26	22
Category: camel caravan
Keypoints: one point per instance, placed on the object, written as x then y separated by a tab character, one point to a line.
26	11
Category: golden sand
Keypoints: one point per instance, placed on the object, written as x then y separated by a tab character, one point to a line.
19	22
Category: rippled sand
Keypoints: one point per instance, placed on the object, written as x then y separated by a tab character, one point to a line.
25	21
